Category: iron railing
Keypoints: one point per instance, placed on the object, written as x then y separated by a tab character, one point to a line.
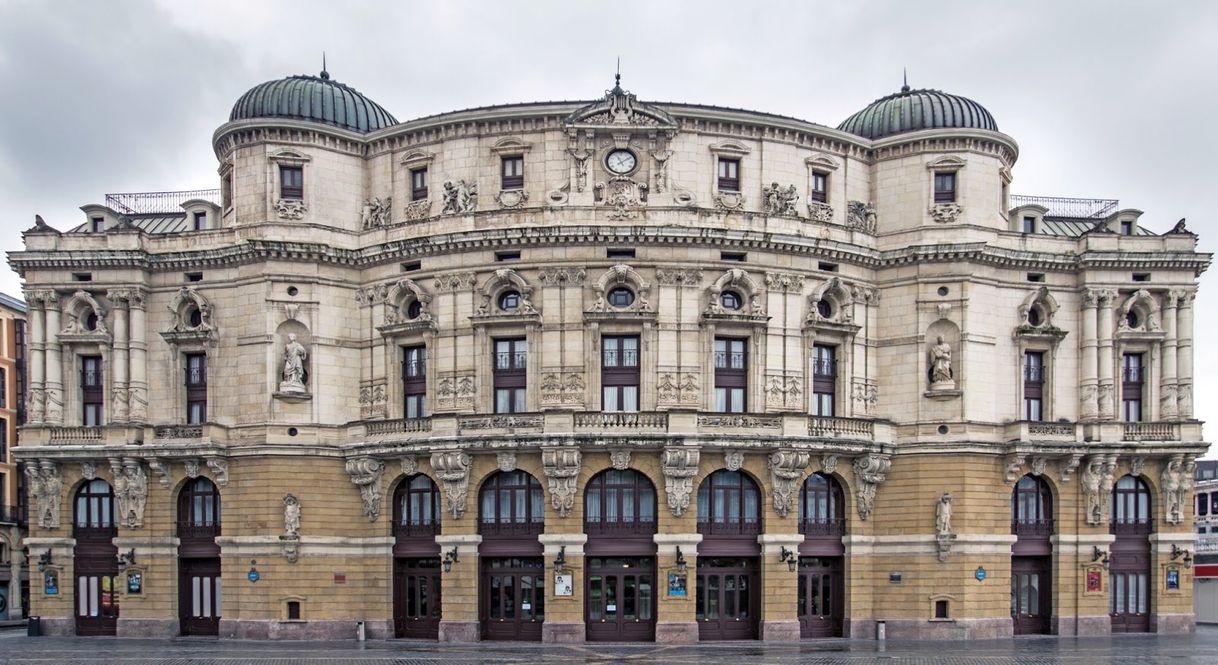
741	527
823	527
153	203
508	529
1041	527
620	528
1060	206
192	531
410	529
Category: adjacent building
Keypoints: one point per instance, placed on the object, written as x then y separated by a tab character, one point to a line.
14	579
610	370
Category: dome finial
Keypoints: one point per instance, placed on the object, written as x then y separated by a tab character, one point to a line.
905	79
617	75
324	74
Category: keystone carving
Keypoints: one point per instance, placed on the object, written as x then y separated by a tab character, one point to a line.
786	468
733	460
506	461
562	466
620	459
452	469
410	465
679	465
366	473
869	472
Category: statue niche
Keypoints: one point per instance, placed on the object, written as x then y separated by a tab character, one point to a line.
292	361
942	363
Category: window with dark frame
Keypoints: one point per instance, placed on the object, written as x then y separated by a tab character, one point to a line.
729	503
414	381
511	375
619	502
620	373
291	182
731	375
3	389
1126	228
226	192
196	388
416	507
199	509
822	504
1033	384
92	392
819	191
418	184
97	224
200	221
1029	225
945	187
1031	508
93	515
3	450
824	379
513	172
729	175
1132	380
511	502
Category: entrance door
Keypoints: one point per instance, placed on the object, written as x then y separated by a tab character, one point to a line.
727	598
416	598
513	598
819	604
1129	592
199	596
1031	595
96	603
621	599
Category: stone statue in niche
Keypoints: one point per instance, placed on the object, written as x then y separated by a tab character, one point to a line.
294	375
291	515
941	377
943	514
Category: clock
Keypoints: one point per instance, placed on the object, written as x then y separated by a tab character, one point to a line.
621	162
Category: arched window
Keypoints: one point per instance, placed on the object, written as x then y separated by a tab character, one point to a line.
416	507
1031	508
511	503
1131	506
729	504
199	509
821	507
619	503
94	511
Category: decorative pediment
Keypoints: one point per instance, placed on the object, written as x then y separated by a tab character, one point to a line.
84	319
497	299
735	296
414	159
1036	315
191	318
621	276
730	148
946	163
510	146
407	308
288	157
822	163
619	108
831	302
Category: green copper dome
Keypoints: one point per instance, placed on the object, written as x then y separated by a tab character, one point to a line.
912	110
314	99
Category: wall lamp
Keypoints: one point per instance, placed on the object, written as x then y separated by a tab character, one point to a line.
1100	555
44	560
789	557
560	561
1177	552
680	560
450	557
127	558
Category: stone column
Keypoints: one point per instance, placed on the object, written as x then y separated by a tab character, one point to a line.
459	589
1088	379
1184	356
54	369
1105	358
1167	379
118	372
564	622
137	402
37	346
675	615
779	620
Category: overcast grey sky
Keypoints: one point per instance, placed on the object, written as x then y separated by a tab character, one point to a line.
1106	99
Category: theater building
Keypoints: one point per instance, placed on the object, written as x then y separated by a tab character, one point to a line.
609	370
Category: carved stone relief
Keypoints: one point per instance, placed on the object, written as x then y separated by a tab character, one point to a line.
294	375
861	216
729	201
506	461
625	196
191	468
373	401
620	459
869	472
416	211
366	473
377	212
733	460
679	465
457	281
562	387
219	469
866	395
828	463
291	515
820	212
1176	484
460	197
786	468
945	213
410	465
780	201
290	208
784	392
679	276
454	391
452	469
512	198
46	484
162	471
130	491
562	467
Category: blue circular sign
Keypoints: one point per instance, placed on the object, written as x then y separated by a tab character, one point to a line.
253	575
980	574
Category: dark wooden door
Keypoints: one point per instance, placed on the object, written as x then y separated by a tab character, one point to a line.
1031	595
620	605
416	598
727	605
199	596
1129	590
513	598
96	603
820	599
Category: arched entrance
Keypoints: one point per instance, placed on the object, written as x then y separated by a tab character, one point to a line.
728	601
1031	557
199	586
1129	558
416	558
511	514
821	588
620	520
95	559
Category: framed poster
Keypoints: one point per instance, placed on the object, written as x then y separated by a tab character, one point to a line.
135	582
50	583
676	585
563	585
1093	581
1173	579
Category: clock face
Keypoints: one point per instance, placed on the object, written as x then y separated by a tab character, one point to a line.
621	161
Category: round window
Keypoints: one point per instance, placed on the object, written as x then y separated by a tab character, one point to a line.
195	317
621	297
730	300
1132	319
824	309
1034	317
509	301
293	290
91	321
414	309
942	290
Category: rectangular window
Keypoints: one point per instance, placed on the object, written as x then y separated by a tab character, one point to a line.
1033	385
3	456
511	380
1132	379
1126	228
729	175
619	374
820	187
291	182
196	388
418	184
200	221
945	188
226	192
513	172
92	391
97	224
1029	225
1203	505
414	381
731	375
738	257
3	390
619	253
824	379
507	256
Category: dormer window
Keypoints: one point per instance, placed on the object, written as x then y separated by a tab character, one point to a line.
97	224
945	187
291	182
729	175
1029	225
513	172
819	191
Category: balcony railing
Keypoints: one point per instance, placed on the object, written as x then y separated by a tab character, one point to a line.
614	420
412	529
153	203
1060	206
177	432
729	360
510	529
824	368
191	531
13	514
828	426
404	425
1042	527
85	434
1150	432
94	533
1132	527
616	528
744	527
823	527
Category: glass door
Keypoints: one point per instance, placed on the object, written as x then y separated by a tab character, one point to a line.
620	599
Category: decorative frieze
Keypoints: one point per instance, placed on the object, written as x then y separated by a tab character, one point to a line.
474	423
416	211
452	470
562	467
562	387
562	276
366	473
460	197
780	201
784	282
730	421
786	468
679	465
820	212
869	472
377	212
861	216
679	276
457	281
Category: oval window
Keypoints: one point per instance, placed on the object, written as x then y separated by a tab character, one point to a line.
1034	317
1132	319
621	297
91	321
824	309
195	317
414	309
509	301
730	300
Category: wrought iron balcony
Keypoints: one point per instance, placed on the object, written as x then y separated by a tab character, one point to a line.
412	529
510	529
742	527
823	527
1040	527
1138	527
1060	206
158	203
192	531
620	528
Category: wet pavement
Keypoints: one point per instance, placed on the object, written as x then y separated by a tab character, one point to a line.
1202	647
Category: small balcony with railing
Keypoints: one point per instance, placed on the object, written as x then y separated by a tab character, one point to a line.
744	526
200	530
1035	528
620	528
821	527
1137	527
520	528
416	528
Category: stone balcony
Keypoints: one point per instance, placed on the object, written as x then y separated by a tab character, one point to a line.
1046	432
1070	432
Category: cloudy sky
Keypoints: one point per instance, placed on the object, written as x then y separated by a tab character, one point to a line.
1107	99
